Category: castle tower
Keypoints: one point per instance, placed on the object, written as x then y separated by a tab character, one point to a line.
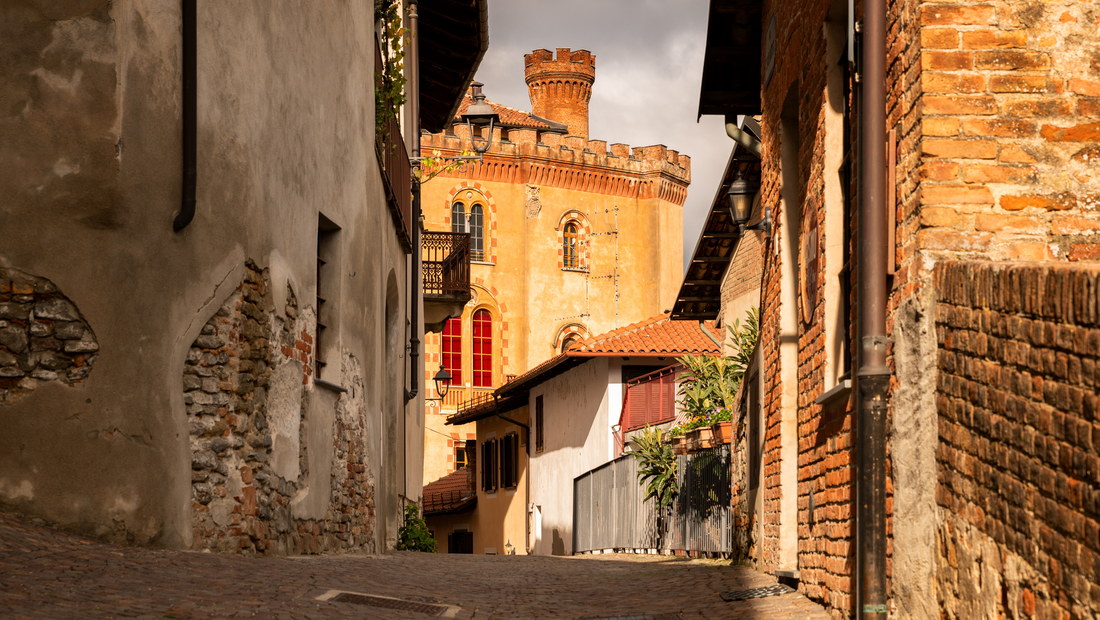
560	89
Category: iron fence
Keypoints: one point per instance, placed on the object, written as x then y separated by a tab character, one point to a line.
446	264
608	511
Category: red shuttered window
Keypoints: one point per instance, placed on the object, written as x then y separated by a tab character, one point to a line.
483	349
452	350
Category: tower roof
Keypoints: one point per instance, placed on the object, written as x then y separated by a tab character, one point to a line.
513	118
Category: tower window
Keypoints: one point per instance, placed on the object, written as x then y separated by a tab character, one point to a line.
458	218
483	348
452	349
477	233
569	254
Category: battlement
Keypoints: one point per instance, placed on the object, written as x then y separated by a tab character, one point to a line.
560	86
572	162
567	61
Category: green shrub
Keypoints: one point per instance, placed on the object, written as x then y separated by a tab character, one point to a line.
414	534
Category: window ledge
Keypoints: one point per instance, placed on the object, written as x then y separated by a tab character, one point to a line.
835	395
574	269
482	262
331	386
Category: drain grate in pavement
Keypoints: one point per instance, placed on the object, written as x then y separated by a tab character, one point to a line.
744	595
389	603
646	617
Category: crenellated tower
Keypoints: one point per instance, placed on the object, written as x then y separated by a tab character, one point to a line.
561	88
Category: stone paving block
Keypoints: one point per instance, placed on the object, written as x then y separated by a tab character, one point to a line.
45	573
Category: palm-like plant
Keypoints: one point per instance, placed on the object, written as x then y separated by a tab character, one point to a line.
656	467
744	339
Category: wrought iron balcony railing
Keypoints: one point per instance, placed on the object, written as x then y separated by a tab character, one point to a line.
393	157
446	264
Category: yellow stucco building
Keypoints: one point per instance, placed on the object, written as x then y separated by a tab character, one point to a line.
569	237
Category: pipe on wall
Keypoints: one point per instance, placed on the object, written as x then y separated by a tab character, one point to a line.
414	229
742	137
189	70
873	374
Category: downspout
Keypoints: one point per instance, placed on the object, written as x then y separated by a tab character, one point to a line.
703	328
189	70
527	491
414	287
873	375
742	137
414	120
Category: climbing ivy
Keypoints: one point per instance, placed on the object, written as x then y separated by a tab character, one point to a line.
389	92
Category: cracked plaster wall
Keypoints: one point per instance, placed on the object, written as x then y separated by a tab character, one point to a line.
90	142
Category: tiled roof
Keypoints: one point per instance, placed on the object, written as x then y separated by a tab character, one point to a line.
653	336
447	493
511	117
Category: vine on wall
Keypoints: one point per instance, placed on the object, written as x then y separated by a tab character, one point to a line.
389	92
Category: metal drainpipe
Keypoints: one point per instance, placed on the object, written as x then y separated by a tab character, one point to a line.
414	225
873	374
189	71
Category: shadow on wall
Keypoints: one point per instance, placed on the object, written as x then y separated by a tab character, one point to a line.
558	546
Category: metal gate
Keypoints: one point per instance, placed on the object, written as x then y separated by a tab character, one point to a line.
608	511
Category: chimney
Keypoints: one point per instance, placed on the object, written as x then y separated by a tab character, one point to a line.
560	88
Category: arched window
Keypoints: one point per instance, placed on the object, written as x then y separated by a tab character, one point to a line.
452	350
483	348
477	233
458	218
569	247
568	343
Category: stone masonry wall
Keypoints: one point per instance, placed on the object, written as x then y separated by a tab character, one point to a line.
1019	451
43	337
246	387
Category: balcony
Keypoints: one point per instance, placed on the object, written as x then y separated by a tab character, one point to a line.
393	158
446	265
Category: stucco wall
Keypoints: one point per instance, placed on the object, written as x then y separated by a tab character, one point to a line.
91	143
575	422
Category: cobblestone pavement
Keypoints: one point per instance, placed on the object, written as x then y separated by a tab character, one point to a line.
48	574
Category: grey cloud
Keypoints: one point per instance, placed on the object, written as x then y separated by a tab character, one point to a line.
648	66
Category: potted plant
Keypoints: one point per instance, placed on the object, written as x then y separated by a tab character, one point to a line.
678	440
722	426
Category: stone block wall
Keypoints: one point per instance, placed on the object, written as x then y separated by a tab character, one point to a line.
43	336
246	385
1019	428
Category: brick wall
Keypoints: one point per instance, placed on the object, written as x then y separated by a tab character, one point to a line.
1010	123
1019	456
245	359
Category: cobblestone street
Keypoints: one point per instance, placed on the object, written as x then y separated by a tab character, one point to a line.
49	574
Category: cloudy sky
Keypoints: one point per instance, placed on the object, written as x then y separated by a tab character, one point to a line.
649	59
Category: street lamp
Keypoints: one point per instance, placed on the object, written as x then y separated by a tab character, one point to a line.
480	114
740	197
442	383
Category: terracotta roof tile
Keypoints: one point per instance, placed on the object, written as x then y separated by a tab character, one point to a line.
448	492
511	117
654	336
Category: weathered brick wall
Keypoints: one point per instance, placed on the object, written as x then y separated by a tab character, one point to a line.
1019	468
743	274
241	499
43	337
1010	122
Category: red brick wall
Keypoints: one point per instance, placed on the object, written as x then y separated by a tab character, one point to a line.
1018	463
1011	118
